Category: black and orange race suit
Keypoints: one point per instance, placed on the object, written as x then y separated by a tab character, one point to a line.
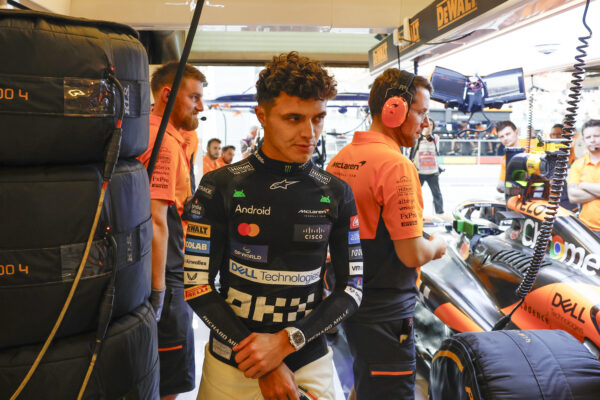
264	226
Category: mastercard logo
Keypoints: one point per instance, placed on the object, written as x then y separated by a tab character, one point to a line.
245	229
557	250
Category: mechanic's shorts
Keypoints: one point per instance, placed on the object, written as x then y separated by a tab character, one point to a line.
384	358
221	381
176	344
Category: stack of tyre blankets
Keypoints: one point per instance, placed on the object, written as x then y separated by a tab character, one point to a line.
58	111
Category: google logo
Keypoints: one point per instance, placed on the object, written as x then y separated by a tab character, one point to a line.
557	250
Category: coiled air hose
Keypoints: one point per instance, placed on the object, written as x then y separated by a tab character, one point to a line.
112	154
559	176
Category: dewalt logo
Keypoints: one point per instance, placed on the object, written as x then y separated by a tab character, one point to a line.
450	11
198	230
380	54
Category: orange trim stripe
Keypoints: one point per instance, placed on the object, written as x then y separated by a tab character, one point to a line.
171	348
391	373
450	355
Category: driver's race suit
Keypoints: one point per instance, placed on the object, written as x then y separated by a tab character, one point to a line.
263	226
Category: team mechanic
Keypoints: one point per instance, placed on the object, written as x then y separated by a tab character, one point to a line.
264	225
390	208
169	188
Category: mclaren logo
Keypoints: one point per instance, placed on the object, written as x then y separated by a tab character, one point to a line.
343	165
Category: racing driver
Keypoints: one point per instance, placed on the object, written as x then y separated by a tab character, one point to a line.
264	225
390	209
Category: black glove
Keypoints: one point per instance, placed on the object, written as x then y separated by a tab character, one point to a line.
157	298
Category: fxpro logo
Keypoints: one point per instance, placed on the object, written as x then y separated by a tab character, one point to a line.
562	250
270	277
253	210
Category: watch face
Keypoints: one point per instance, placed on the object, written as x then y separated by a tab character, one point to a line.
298	338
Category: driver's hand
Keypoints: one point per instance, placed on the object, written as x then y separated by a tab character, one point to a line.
279	384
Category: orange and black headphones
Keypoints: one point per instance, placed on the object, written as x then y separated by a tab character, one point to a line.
395	109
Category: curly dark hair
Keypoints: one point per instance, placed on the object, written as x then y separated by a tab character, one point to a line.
389	79
294	75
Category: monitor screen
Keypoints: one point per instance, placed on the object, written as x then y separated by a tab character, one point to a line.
448	86
504	87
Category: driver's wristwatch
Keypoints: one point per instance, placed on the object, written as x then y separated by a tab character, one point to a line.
296	336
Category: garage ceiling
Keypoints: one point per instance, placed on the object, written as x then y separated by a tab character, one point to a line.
338	32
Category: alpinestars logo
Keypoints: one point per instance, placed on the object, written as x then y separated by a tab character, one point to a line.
282	184
342	165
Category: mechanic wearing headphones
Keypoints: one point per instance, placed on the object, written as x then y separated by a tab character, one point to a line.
264	224
390	210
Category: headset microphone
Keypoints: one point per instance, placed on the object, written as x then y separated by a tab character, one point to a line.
395	109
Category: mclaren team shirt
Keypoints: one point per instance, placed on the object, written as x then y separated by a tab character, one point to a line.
264	227
390	207
171	183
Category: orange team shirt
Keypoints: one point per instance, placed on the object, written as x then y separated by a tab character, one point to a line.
502	177
191	145
584	170
220	162
171	177
387	180
209	165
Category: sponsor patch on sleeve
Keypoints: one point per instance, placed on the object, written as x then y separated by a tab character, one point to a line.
196	262
356	268
354	293
207	190
195	278
354	222
196	291
197	246
201	230
356	282
355	253
353	237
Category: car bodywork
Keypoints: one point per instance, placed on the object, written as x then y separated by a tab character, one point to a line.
490	246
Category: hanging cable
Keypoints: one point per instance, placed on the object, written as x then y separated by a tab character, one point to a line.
559	176
174	88
530	117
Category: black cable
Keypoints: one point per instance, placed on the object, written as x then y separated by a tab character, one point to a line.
174	88
18	5
559	176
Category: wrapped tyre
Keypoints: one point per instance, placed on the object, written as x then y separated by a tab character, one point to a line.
508	365
46	215
127	367
56	105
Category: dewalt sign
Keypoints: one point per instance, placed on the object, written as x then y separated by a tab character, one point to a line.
451	11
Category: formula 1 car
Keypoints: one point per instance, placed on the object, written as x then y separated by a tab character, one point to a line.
490	246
